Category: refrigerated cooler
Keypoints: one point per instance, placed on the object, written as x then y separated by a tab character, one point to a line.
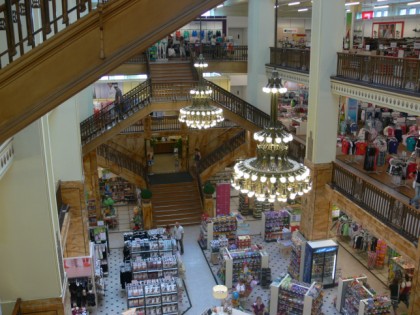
320	262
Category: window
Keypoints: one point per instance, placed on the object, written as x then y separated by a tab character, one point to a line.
385	13
403	11
378	14
358	15
412	11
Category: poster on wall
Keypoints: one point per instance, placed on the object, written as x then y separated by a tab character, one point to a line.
352	108
388	30
222	199
78	267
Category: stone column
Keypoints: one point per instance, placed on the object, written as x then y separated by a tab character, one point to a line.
328	26
260	38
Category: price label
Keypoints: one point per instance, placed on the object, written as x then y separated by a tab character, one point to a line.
393	44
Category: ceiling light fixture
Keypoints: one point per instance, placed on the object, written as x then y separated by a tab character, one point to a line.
352	3
293	3
200	115
219	6
381	7
413	3
303	10
272	174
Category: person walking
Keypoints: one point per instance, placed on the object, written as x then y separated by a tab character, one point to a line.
394	290
258	307
179	237
118	103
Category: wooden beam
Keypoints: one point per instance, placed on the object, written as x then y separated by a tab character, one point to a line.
72	59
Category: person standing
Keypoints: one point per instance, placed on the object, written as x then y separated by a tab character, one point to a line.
258	307
416	199
394	290
182	53
118	103
179	237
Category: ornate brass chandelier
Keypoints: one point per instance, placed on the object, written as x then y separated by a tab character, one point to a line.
201	115
272	174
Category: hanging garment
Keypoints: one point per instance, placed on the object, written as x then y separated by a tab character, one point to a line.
411	144
370	159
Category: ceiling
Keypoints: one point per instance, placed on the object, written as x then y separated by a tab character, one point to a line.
240	7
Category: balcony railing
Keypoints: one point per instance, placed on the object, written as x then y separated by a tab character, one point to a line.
19	20
217	154
392	212
220	53
122	160
291	58
6	156
380	71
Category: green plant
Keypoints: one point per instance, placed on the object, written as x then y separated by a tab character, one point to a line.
146	194
208	189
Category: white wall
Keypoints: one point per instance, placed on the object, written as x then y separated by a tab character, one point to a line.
29	262
84	101
238	24
239	91
65	141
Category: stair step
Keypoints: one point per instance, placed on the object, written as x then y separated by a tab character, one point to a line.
167	203
183	222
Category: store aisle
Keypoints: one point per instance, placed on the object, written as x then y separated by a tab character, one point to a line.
199	279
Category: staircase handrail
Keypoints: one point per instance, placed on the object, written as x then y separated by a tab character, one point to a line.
15	12
218	153
122	160
135	99
238	106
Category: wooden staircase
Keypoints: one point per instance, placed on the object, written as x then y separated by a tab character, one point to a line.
171	72
177	202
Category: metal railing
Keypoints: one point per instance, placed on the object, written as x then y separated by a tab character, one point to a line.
172	91
394	213
29	23
103	120
390	72
122	160
291	58
140	58
238	106
220	52
217	154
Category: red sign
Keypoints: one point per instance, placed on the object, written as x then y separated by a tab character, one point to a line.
367	15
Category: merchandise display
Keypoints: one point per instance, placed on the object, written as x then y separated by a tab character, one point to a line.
91	209
244	204
99	236
243	241
118	189
237	264
297	255
151	248
289	296
321	262
260	207
400	267
154	297
355	297
154	267
274	223
222	226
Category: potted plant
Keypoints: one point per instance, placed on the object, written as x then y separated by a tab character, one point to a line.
109	204
146	195
208	190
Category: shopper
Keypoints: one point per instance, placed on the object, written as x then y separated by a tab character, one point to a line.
405	289
197	157
416	199
182	53
168	232
179	237
258	307
118	103
394	289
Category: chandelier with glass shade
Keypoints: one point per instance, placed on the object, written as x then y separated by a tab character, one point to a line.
201	115
272	174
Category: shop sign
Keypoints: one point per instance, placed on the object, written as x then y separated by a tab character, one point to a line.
290	30
367	15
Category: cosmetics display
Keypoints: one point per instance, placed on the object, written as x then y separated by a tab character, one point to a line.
153	297
236	264
289	296
154	267
274	223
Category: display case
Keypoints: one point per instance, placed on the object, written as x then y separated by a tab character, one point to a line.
118	189
244	204
212	228
235	264
343	284
153	297
297	256
289	296
91	210
99	236
154	267
360	299
274	222
320	262
146	248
